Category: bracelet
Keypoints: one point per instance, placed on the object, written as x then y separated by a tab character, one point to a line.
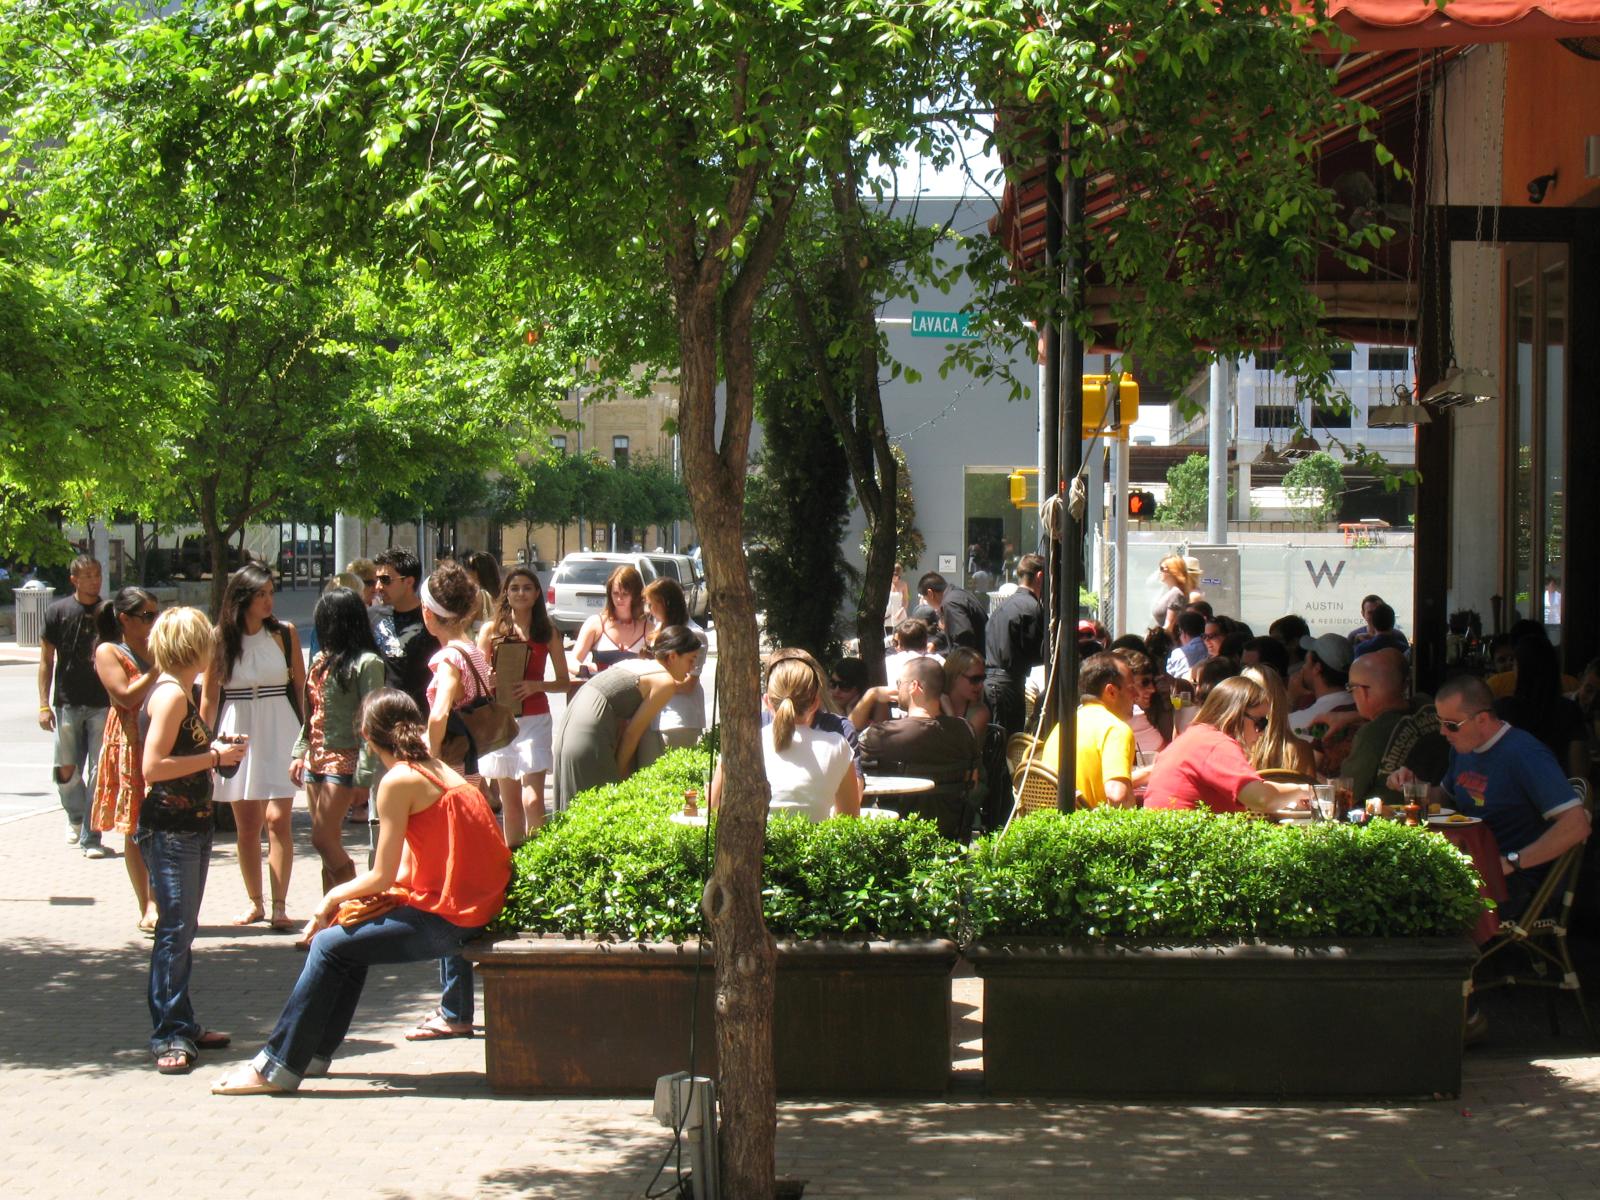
216	758
45	708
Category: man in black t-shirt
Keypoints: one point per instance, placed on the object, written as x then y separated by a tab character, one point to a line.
961	616
76	712
1017	636
403	640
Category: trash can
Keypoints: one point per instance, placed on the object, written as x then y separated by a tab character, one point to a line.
31	603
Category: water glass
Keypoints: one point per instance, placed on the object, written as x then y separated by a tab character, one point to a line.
1325	802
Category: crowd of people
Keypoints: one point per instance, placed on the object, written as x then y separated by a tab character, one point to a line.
161	718
1202	713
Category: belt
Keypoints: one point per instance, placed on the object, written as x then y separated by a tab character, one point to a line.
258	692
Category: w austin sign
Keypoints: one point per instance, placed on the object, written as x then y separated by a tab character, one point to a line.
1321	571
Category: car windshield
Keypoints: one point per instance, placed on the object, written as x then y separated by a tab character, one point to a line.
584	573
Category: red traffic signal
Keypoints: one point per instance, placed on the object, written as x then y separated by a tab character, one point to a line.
1142	505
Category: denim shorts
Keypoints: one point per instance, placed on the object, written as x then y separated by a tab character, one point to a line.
348	781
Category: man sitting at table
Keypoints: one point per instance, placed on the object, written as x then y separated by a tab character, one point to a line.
1104	735
927	744
1509	778
1396	734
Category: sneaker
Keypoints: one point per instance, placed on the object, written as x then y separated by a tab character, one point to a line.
73	834
99	851
1476	1029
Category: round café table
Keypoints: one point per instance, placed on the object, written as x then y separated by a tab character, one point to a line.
895	785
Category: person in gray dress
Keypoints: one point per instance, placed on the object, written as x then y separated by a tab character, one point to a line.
599	732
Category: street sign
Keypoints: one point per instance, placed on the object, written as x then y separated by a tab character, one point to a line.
940	324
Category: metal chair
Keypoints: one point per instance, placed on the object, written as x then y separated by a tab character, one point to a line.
1540	931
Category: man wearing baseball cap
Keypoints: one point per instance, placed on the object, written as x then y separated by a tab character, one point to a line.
1325	674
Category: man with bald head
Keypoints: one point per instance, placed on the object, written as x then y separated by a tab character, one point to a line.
1397	733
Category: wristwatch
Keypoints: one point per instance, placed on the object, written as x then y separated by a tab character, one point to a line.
1515	859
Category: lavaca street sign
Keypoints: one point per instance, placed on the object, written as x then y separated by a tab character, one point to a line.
940	324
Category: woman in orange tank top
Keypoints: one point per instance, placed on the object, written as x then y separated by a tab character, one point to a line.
451	884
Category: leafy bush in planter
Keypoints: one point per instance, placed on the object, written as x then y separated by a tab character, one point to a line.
1177	876
613	867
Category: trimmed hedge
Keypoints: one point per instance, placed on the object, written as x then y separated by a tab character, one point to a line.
1180	876
614	868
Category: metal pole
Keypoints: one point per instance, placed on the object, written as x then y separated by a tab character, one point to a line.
1050	353
1217	495
1119	525
1070	452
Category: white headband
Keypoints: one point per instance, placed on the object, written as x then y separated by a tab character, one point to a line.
433	606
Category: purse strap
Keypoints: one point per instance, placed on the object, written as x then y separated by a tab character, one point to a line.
473	667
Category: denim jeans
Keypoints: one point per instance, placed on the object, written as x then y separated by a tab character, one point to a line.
177	864
79	729
319	1010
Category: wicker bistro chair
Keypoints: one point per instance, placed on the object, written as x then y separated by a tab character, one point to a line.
1036	787
1019	748
1540	932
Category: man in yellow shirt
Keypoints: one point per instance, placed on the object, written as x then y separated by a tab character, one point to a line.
1105	739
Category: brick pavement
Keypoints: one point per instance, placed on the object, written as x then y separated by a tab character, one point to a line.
87	1116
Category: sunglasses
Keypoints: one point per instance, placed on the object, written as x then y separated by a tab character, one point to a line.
1455	726
146	617
973	678
372	581
837	683
383	578
1260	723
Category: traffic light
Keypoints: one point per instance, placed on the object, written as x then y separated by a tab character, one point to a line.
1024	487
1096	400
1141	505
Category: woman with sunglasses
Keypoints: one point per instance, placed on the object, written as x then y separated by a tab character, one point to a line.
963	691
1277	749
122	661
1208	765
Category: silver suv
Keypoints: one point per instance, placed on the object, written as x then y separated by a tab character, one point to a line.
695	589
578	588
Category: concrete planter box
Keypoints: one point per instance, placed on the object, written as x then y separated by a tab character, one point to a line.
1302	1020
566	1017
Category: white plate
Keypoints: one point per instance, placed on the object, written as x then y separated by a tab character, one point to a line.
1444	821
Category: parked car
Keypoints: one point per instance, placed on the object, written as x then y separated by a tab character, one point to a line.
695	590
578	588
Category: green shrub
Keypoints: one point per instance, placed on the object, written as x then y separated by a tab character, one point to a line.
614	867
1179	876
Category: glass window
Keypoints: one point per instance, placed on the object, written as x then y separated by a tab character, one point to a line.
619	451
1277	416
1330	418
1341	360
558	442
1388	358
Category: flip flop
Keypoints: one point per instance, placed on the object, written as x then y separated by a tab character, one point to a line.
227	1087
212	1040
174	1060
435	1028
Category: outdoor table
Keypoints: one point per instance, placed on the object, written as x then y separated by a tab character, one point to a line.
895	785
683	818
871	812
1478	844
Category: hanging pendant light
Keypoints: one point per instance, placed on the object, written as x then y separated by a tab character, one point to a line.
1404	412
1302	445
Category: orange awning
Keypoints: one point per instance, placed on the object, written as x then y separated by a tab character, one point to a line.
1412	24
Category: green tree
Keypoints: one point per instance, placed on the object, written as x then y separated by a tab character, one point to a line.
1189	493
1315	488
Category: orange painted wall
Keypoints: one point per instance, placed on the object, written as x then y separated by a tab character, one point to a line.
1552	104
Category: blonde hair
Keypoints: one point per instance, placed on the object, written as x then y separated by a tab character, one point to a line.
345	579
181	638
958	662
1176	566
792	689
1228	706
1275	748
361	568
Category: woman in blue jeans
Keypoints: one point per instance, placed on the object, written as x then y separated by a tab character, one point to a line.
175	823
447	889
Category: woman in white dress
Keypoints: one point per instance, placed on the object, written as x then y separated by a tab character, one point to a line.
811	771
683	720
255	685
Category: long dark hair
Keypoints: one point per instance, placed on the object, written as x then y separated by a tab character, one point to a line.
483	566
344	631
243	586
539	627
125	603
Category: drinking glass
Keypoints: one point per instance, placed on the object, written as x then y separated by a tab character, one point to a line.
1416	792
1325	801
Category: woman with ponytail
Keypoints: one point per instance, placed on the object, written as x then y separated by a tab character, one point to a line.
408	907
122	661
809	768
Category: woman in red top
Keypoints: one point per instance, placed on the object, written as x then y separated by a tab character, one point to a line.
444	891
520	617
1208	765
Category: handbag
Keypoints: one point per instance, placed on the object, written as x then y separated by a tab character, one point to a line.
476	728
366	908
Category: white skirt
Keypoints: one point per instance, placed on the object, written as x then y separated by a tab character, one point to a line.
526	754
263	773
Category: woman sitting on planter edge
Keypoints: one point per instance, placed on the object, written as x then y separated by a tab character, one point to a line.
810	768
1208	766
452	884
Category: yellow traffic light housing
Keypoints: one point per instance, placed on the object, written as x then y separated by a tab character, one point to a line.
1025	487
1096	401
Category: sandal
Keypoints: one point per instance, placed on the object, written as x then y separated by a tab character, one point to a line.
147	925
246	1082
434	1028
175	1060
281	921
253	915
